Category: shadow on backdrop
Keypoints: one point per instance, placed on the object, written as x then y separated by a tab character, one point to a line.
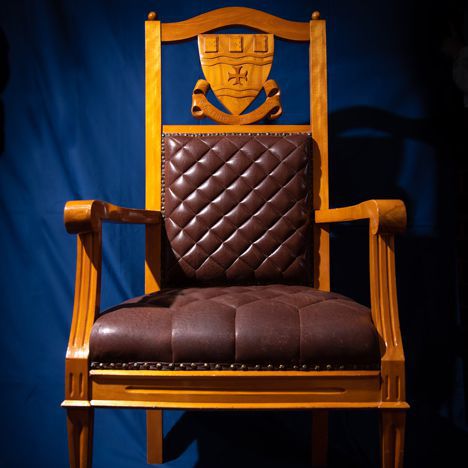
4	75
378	165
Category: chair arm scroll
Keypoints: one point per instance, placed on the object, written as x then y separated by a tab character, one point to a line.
385	216
85	218
82	216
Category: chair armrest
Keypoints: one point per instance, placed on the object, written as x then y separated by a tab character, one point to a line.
85	218
384	215
82	216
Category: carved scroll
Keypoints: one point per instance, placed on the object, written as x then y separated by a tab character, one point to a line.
202	108
236	67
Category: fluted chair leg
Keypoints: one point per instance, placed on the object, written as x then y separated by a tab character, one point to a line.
80	423
392	437
319	438
154	436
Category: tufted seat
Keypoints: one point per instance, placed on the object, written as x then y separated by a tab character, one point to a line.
237	327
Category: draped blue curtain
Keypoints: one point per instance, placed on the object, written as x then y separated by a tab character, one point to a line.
72	127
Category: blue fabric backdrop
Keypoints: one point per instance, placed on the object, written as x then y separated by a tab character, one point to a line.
72	127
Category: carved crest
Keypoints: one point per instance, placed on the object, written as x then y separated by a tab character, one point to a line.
236	66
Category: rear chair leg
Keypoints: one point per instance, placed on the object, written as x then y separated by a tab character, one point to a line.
392	437
319	438
154	437
80	436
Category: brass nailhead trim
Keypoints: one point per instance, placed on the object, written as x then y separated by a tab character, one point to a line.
163	179
226	366
237	133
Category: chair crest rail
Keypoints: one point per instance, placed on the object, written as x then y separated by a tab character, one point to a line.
235	16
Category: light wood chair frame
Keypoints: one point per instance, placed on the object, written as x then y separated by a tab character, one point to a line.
154	390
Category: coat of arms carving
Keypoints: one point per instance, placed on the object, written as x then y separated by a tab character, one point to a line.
236	67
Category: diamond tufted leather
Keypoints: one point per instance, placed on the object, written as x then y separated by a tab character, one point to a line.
261	326
237	209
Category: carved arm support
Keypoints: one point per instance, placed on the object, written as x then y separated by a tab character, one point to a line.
386	217
85	218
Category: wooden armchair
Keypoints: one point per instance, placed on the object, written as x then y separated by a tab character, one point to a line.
238	312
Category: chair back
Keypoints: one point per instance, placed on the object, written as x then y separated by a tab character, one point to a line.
237	197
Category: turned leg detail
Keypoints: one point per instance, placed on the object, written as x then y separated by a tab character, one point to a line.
392	437
154	436
80	436
319	438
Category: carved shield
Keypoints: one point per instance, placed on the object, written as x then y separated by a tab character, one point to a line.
236	66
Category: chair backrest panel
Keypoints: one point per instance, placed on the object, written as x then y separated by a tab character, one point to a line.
237	208
157	33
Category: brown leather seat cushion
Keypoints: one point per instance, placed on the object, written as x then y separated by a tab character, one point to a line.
237	327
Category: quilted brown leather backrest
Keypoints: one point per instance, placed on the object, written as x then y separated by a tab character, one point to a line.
237	208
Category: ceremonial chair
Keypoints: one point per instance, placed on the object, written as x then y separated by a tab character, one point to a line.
238	312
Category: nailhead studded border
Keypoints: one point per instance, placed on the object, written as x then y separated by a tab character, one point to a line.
209	366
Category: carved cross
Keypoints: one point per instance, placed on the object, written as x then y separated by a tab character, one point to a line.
237	75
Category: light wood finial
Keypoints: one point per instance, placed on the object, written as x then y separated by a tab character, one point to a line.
316	15
152	16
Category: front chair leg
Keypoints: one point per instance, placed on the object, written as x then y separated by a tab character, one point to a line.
80	436
154	437
392	437
319	438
